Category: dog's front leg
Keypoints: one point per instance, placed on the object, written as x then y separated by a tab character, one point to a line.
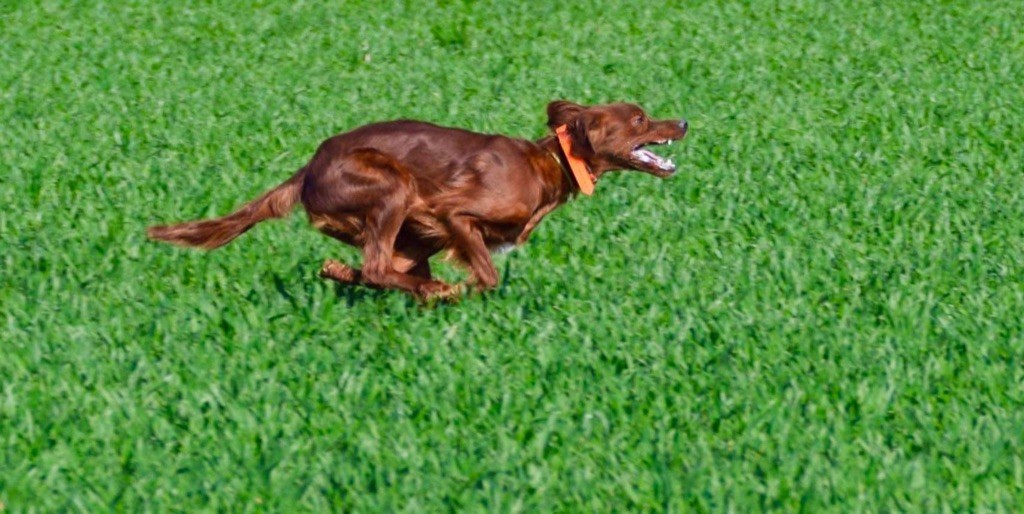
471	249
534	220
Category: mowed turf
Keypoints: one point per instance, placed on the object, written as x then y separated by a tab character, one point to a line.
820	312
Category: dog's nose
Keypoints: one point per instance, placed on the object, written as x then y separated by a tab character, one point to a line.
684	125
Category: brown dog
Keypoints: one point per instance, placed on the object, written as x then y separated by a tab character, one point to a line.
405	190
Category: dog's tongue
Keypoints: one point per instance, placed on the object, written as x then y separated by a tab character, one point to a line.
648	157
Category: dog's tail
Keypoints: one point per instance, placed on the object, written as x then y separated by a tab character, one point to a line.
211	234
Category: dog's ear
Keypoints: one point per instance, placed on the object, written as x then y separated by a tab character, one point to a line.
562	112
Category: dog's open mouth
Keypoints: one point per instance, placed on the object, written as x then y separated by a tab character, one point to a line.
649	161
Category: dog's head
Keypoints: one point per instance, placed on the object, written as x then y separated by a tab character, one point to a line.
616	136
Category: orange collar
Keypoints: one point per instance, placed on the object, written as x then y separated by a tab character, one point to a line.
580	170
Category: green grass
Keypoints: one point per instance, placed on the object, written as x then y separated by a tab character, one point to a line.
821	312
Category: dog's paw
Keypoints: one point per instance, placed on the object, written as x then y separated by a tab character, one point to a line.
337	271
435	291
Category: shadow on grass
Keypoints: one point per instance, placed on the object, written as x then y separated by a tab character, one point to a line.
355	294
350	294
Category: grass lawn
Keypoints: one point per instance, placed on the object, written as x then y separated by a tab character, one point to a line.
822	311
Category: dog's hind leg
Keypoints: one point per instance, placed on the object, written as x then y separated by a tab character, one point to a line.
341	273
377	193
383	223
345	274
409	257
414	260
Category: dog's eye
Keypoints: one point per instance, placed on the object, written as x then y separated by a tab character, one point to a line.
638	120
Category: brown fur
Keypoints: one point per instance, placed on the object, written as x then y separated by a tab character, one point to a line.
406	190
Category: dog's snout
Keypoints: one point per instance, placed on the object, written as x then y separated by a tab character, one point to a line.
684	126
